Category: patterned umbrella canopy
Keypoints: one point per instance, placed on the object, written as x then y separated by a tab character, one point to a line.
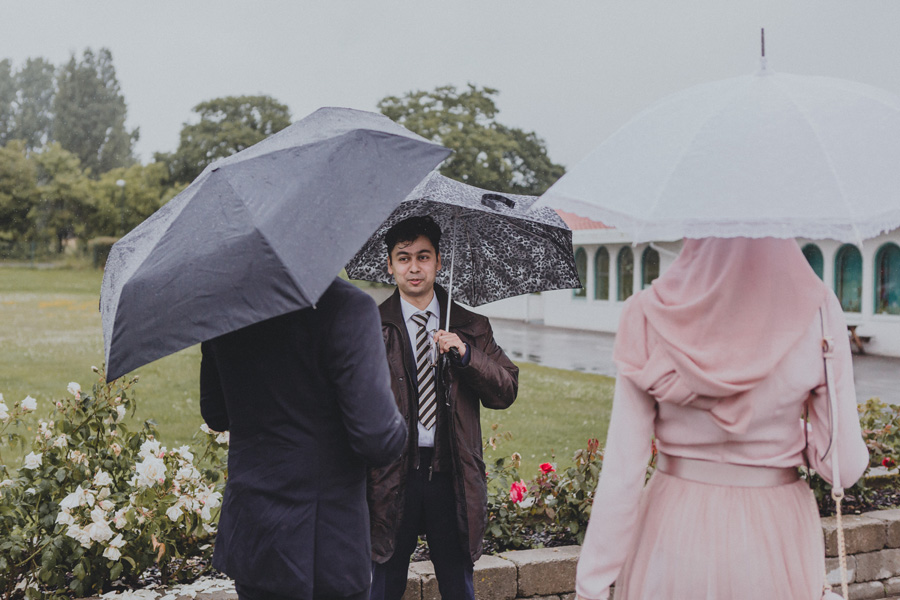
492	246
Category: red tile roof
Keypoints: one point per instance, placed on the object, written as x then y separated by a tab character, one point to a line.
576	222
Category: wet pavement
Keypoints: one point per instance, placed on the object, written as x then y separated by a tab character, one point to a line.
591	352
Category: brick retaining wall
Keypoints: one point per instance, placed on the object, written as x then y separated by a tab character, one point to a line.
873	563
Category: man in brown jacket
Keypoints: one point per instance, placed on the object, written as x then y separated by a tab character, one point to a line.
439	379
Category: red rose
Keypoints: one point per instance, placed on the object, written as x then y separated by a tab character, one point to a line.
888	462
517	491
547	468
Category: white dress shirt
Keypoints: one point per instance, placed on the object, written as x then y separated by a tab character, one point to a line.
426	436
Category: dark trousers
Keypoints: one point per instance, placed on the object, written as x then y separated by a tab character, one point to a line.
246	592
430	508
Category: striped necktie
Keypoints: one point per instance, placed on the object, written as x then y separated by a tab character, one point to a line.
425	372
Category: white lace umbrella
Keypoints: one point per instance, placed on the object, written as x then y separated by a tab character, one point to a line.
769	154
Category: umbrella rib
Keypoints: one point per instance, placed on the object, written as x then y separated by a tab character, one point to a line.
828	160
687	145
271	246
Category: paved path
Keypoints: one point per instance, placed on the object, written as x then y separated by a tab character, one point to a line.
591	352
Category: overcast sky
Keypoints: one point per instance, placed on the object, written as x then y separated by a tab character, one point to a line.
573	71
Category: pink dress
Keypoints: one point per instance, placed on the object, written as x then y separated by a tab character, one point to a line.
678	539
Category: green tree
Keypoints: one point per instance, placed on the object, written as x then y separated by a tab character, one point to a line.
125	197
90	114
227	125
486	154
7	100
36	88
64	208
18	191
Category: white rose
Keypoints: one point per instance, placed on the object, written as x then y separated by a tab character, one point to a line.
33	461
120	412
65	518
7	483
102	478
4	412
77	533
29	404
205	429
98	530
174	512
206	513
223	438
119	519
79	497
149	472
149	448
104	494
187	473
185	452
106	505
74	389
212	499
112	551
61	442
77	457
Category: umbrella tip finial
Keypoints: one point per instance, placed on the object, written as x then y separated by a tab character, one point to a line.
762	41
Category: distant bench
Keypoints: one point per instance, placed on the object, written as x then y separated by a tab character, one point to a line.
858	340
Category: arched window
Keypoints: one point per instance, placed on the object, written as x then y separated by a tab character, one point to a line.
626	273
887	280
848	277
581	267
601	274
814	258
649	267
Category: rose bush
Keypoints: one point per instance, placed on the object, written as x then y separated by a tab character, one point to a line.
553	502
99	500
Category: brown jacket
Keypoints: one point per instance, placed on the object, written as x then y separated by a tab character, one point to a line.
489	378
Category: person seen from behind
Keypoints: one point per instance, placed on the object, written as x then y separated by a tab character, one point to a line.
307	399
719	360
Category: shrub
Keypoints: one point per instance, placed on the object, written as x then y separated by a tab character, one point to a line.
552	503
99	500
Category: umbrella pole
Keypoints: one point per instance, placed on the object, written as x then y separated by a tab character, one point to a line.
450	287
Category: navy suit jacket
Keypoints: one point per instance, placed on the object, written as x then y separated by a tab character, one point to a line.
307	399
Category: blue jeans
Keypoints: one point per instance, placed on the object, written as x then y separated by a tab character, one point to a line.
430	508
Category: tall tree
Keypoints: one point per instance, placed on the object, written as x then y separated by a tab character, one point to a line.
7	101
123	198
18	191
227	125
36	85
90	114
64	208
486	154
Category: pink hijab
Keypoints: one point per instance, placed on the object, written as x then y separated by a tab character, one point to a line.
717	322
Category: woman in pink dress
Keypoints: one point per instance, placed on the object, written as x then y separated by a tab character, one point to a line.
719	359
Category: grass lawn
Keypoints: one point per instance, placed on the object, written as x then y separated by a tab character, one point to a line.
51	335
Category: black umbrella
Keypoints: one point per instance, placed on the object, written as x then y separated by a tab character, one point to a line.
258	234
496	247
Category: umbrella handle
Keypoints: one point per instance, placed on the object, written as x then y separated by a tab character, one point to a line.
491	200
